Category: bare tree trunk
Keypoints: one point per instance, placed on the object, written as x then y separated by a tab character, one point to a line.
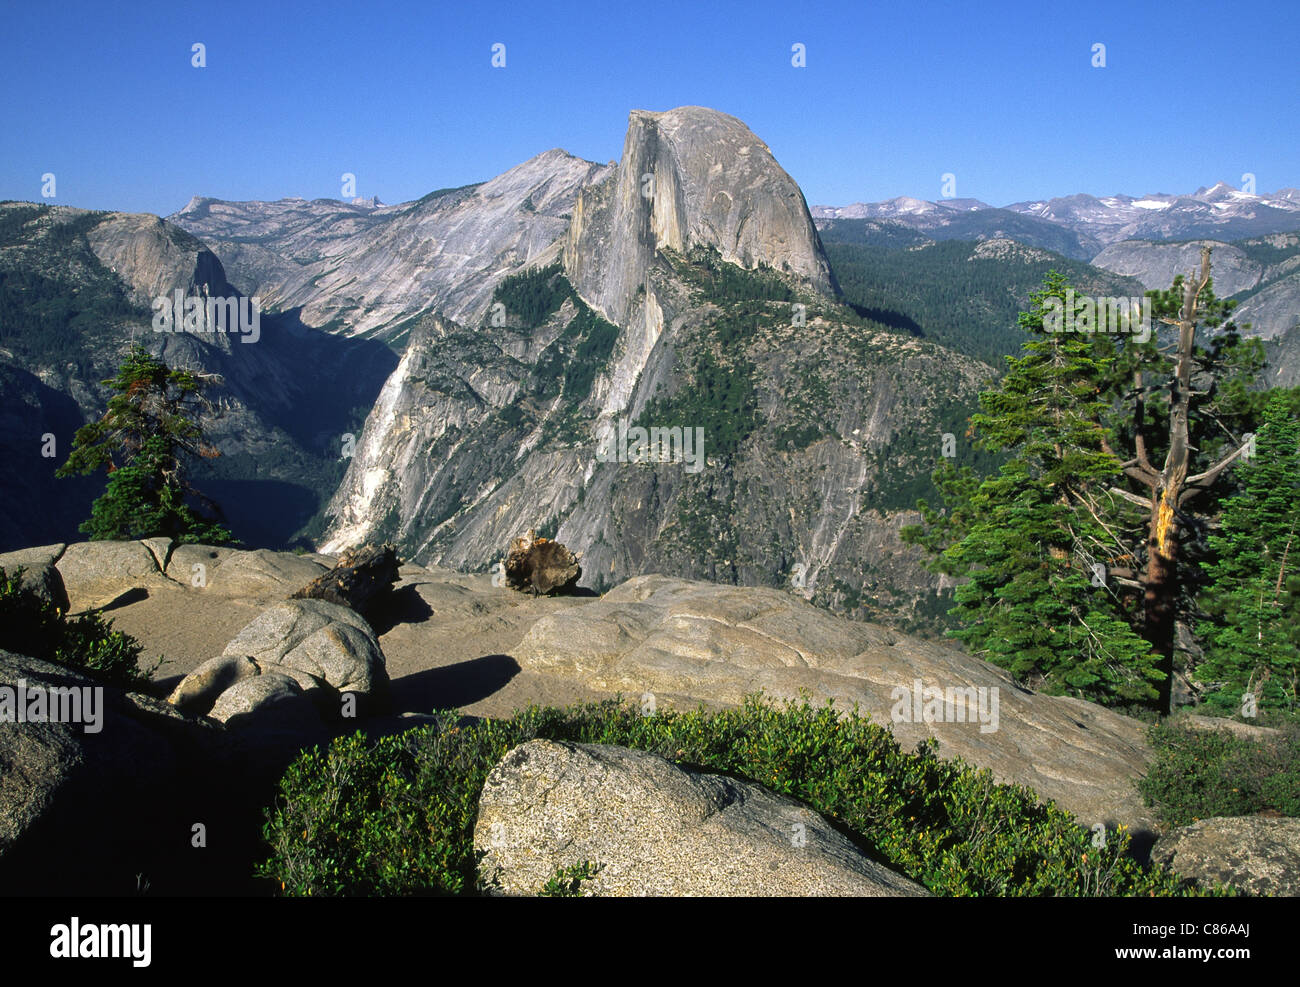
1171	488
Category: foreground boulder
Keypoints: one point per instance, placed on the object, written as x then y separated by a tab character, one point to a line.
107	784
541	566
93	574
702	642
38	575
326	649
1257	854
657	829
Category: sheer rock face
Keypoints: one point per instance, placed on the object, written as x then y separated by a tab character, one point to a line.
154	258
1157	264
360	269
688	176
444	472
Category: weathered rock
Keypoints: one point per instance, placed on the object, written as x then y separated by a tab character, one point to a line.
1254	853
331	643
199	690
714	183
360	579
98	572
454	462
445	253
1213	723
657	829
41	579
79	808
234	573
541	565
712	643
269	702
154	258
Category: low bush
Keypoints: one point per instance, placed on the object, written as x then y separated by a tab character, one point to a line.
1199	774
396	817
32	626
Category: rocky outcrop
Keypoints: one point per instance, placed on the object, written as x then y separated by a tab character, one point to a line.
688	176
108	791
656	829
1269	292
156	258
696	642
270	704
1257	854
1273	309
238	573
357	269
326	649
1157	264
37	574
455	640
97	573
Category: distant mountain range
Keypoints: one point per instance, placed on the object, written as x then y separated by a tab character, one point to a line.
438	373
1220	211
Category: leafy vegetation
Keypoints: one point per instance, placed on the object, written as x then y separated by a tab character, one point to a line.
57	300
396	817
143	440
1199	774
1062	585
37	628
566	882
568	367
723	282
946	293
1031	602
533	296
1252	600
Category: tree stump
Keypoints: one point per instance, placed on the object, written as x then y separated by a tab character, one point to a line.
541	566
358	580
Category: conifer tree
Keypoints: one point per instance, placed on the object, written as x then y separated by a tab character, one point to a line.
1251	628
144	441
1036	600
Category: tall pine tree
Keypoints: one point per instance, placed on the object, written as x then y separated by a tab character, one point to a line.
1033	542
1251	627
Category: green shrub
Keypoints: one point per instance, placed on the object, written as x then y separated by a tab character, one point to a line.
1199	774
33	627
566	882
396	817
534	295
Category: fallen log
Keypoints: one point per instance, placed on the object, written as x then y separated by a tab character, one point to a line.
360	579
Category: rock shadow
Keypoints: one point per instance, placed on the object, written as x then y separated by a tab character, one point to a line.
452	686
403	606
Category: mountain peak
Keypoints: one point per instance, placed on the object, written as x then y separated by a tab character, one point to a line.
688	176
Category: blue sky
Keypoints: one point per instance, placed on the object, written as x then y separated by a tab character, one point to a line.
404	96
